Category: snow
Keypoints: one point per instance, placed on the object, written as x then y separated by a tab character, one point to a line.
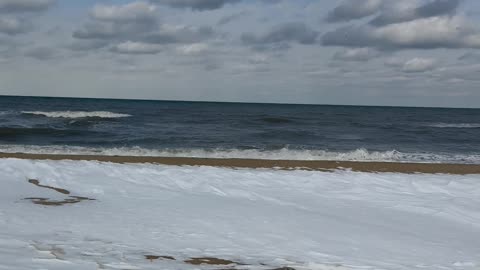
264	219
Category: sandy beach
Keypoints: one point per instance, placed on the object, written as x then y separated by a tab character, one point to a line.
318	165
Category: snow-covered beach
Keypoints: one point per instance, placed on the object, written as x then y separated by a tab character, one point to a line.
94	215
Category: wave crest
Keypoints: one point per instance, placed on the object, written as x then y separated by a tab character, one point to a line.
281	154
77	114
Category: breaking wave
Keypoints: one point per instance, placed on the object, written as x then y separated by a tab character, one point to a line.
282	154
77	114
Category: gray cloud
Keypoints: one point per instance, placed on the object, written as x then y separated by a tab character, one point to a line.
402	25
349	36
397	13
87	44
184	34
416	65
11	6
425	33
14	26
195	49
196	4
12	23
354	9
470	57
133	29
144	32
113	22
281	35
469	72
137	11
204	61
394	62
114	30
438	7
229	18
41	53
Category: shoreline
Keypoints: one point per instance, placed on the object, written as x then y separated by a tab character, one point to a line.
314	165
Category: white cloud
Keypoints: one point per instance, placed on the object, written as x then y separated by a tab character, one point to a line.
425	33
419	65
131	47
193	49
356	54
430	32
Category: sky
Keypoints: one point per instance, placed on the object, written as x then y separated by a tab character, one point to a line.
355	52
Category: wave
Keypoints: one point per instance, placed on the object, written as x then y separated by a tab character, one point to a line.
281	154
453	125
14	132
77	114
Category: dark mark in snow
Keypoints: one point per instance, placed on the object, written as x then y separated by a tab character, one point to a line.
49	202
209	261
154	257
37	183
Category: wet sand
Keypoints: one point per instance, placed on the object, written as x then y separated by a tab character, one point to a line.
259	163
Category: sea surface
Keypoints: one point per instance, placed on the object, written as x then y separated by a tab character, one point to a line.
238	130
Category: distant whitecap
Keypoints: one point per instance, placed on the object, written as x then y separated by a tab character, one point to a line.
77	114
457	125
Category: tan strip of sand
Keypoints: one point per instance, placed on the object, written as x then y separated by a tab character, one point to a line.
261	163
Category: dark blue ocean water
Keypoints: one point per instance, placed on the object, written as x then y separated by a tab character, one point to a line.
129	127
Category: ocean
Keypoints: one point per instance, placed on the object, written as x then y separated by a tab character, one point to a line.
238	130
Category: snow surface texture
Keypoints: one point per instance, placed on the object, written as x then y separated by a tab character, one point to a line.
263	219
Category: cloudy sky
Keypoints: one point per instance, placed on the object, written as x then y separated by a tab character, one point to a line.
368	52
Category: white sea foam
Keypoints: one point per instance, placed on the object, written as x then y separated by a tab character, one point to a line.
77	114
282	154
265	219
452	125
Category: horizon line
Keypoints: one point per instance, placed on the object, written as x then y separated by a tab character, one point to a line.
239	102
